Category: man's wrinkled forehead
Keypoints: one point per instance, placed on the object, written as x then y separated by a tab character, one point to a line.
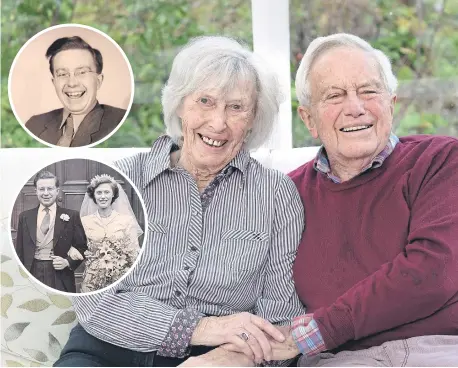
358	69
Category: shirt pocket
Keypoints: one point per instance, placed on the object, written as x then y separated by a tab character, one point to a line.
247	249
156	245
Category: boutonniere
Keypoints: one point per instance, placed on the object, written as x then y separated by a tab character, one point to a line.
65	217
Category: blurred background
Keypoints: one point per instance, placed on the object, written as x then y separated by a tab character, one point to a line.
420	37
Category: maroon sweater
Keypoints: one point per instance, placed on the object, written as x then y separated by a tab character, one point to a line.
378	260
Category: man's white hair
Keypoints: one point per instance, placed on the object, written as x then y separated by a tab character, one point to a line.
321	45
220	62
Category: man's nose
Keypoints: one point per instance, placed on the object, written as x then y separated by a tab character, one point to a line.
72	80
353	105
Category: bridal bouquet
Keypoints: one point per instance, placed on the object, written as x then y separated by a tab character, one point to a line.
107	260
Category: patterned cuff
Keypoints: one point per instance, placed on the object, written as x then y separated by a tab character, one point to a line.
176	343
307	336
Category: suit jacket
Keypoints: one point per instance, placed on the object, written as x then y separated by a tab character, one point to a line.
66	234
96	125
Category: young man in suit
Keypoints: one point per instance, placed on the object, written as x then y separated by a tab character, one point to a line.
49	236
76	70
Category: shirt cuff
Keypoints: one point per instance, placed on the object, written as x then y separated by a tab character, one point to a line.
176	342
307	337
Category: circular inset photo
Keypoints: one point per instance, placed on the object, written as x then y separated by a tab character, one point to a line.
71	86
78	226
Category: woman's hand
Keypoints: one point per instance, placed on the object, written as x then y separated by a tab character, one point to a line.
74	254
243	332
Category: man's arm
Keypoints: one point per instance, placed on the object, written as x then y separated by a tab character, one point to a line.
79	240
420	280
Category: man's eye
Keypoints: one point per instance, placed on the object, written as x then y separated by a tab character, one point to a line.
204	100
62	75
335	95
236	107
368	92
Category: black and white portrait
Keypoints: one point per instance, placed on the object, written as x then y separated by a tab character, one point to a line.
82	86
77	226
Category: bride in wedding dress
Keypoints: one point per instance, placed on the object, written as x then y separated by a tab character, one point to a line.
112	233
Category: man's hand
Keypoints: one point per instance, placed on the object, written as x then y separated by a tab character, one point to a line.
59	263
74	254
280	350
245	332
287	349
219	357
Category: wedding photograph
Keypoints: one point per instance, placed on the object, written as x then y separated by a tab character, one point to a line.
77	226
83	86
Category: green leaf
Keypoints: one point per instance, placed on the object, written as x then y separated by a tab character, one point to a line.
4	259
35	305
6	280
15	330
60	301
6	301
54	345
65	318
13	363
37	355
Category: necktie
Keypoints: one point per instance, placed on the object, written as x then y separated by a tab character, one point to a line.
44	227
67	135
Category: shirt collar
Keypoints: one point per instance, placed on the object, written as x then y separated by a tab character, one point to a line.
80	118
321	162
52	208
158	159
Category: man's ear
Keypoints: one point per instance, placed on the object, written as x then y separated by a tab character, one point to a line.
99	80
306	117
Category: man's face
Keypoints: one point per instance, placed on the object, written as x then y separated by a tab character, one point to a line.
76	81
351	111
47	191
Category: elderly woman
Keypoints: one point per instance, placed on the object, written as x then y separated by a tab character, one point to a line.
223	230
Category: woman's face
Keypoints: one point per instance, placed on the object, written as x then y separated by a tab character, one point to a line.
215	125
103	195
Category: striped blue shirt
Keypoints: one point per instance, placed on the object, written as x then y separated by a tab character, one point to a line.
234	256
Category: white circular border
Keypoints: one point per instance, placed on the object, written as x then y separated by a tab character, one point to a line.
33	279
74	25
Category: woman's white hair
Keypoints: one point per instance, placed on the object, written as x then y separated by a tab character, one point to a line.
321	45
221	63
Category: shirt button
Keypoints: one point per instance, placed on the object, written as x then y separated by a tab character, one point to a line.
186	268
193	248
177	293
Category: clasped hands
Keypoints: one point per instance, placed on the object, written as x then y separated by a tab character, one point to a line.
60	263
246	333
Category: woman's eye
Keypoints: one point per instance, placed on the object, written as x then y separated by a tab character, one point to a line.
204	100
333	96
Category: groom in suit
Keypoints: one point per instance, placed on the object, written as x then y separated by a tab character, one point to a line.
76	70
49	235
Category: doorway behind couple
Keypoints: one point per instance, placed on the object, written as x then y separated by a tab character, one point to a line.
74	177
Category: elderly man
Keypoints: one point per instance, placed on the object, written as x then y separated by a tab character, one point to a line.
76	70
377	266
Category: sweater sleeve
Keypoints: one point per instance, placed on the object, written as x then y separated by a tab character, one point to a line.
418	281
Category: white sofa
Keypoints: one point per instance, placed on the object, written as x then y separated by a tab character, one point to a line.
35	322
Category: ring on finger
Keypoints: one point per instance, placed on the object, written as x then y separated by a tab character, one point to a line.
244	336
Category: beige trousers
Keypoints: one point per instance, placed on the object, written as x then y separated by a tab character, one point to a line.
422	351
